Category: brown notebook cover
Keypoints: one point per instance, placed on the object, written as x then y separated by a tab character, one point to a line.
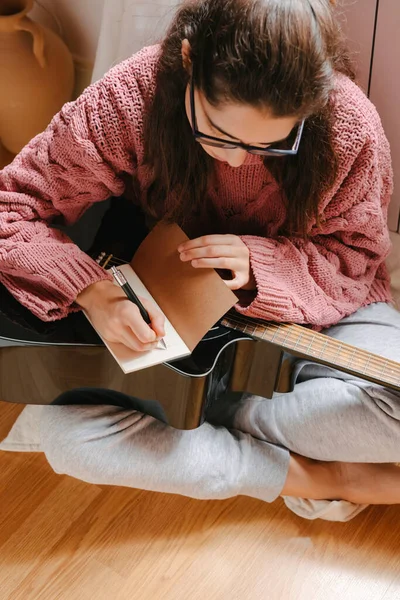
192	299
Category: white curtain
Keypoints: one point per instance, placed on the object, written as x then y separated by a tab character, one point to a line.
127	26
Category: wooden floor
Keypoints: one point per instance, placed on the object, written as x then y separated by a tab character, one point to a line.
63	539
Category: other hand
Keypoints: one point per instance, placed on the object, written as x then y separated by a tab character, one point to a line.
221	252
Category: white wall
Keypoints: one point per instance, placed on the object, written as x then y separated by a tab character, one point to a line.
128	26
358	18
121	26
80	21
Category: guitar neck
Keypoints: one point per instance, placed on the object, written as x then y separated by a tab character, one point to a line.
320	348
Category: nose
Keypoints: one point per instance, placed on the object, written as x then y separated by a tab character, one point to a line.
235	158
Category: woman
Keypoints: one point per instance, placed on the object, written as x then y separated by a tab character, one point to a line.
246	128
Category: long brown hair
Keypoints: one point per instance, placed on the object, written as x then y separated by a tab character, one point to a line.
276	54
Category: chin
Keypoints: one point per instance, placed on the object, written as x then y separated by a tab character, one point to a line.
218	158
215	156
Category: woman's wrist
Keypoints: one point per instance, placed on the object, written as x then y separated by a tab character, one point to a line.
90	294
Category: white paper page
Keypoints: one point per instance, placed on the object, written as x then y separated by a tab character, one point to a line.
131	361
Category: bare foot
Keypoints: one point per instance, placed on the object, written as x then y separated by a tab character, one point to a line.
370	483
357	482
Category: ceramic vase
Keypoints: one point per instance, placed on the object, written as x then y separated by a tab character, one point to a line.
36	75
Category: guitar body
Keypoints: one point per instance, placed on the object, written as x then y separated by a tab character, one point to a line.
41	361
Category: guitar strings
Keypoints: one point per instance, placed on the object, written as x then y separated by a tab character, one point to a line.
317	338
292	338
374	363
380	368
109	259
113	260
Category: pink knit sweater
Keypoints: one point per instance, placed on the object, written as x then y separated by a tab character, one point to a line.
95	143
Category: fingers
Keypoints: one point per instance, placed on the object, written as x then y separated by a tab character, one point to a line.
237	283
129	339
131	318
222	262
210	240
130	329
220	252
210	252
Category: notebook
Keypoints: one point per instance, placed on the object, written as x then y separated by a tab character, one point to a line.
192	300
129	360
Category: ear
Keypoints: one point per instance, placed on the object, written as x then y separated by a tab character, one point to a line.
186	49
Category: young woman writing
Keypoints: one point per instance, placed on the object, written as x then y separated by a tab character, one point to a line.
245	127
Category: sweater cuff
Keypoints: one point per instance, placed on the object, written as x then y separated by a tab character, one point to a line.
272	301
52	294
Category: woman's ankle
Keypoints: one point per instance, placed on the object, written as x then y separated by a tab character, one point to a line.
315	480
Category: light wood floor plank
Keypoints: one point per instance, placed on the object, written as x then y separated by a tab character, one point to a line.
26	549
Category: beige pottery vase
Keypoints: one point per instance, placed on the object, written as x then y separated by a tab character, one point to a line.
36	75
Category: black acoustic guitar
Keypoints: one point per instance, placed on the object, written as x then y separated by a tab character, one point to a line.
40	361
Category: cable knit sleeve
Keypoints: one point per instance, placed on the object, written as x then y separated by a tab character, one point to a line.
340	267
80	159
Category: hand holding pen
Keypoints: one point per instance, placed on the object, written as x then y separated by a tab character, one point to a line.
118	320
130	294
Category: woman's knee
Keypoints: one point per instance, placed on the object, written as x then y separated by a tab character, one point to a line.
54	434
67	432
385	403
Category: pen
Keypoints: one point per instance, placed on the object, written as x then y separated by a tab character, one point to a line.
130	294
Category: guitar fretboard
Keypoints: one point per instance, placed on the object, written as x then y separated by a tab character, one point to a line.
320	348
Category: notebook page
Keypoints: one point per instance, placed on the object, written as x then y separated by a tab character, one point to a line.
131	361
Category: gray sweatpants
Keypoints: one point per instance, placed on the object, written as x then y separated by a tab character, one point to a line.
328	416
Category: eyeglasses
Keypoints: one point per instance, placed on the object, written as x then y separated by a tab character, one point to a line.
209	140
